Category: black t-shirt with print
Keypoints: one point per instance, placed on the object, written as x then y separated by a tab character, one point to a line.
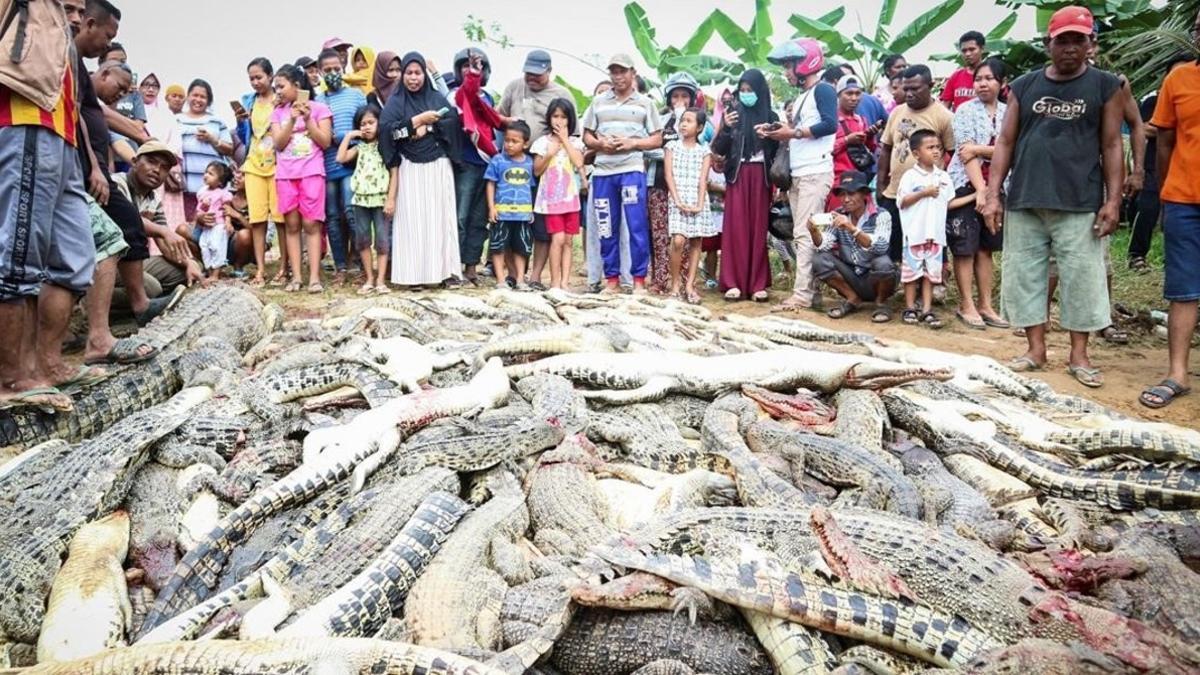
1056	163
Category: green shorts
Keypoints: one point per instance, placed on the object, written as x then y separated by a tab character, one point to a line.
106	233
1031	237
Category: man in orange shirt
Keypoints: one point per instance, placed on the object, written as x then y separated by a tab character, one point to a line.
47	255
1177	118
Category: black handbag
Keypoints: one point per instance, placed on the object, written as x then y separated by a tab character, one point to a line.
859	155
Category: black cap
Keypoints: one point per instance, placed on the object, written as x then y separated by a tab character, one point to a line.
304	62
852	181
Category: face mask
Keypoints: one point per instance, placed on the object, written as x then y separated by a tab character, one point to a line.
333	81
679	111
748	98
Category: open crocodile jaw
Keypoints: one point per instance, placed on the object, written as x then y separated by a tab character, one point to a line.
866	375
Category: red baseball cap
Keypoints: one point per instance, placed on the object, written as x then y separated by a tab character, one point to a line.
1072	20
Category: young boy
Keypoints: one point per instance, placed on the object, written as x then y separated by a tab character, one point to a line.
510	193
925	192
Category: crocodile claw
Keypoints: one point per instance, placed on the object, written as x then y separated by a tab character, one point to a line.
692	600
852	565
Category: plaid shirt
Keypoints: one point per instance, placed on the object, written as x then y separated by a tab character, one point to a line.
878	224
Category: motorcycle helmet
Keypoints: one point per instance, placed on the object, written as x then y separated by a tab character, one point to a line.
464	55
683	81
806	53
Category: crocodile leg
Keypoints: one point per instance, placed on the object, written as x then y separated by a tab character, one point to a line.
851	564
262	619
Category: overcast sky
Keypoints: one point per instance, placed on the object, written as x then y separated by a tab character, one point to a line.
214	39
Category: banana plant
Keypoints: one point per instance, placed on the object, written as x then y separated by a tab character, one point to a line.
868	52
750	45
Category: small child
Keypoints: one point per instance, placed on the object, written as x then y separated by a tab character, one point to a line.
369	183
509	179
214	237
925	192
558	160
689	219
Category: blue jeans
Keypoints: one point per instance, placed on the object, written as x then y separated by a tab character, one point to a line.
339	218
470	198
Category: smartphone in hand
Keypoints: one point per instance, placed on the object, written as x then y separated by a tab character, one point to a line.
302	96
238	109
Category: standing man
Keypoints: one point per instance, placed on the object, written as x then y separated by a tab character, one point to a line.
94	29
1148	205
1061	138
526	99
478	145
47	256
1177	119
810	135
341	48
917	112
343	102
127	118
960	87
175	97
620	125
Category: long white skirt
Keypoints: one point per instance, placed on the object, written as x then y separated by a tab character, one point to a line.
425	227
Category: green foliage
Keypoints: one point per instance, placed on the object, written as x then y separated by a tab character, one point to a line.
866	51
581	100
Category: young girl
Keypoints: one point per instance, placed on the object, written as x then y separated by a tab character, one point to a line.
369	183
557	161
302	129
687	163
212	200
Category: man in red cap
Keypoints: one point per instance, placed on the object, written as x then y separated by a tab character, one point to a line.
1061	139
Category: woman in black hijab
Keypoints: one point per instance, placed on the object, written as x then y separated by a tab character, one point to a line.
417	138
745	270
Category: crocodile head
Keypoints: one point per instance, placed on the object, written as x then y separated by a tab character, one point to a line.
882	375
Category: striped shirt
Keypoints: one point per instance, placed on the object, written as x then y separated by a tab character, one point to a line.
343	103
197	155
16	110
634	117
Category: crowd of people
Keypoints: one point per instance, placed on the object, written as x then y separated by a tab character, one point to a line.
377	169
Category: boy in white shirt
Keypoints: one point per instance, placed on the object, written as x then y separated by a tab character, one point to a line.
925	192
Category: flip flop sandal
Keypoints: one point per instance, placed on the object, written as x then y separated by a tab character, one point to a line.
538	286
315	288
691	297
881	315
257	283
995	322
761	296
910	316
383	289
1088	377
733	295
278	280
124	352
1023	364
85	376
49	399
844	309
159	306
1138	264
977	324
366	289
1166	391
292	287
930	320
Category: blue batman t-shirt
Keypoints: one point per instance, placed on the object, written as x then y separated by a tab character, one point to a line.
514	187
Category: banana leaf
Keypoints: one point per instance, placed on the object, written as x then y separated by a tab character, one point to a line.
835	43
887	13
923	25
833	17
582	100
643	34
700	37
706	69
1001	29
734	36
761	30
872	47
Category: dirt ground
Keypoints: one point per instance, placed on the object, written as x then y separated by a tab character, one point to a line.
1127	369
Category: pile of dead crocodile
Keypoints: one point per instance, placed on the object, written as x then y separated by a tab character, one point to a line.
578	484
